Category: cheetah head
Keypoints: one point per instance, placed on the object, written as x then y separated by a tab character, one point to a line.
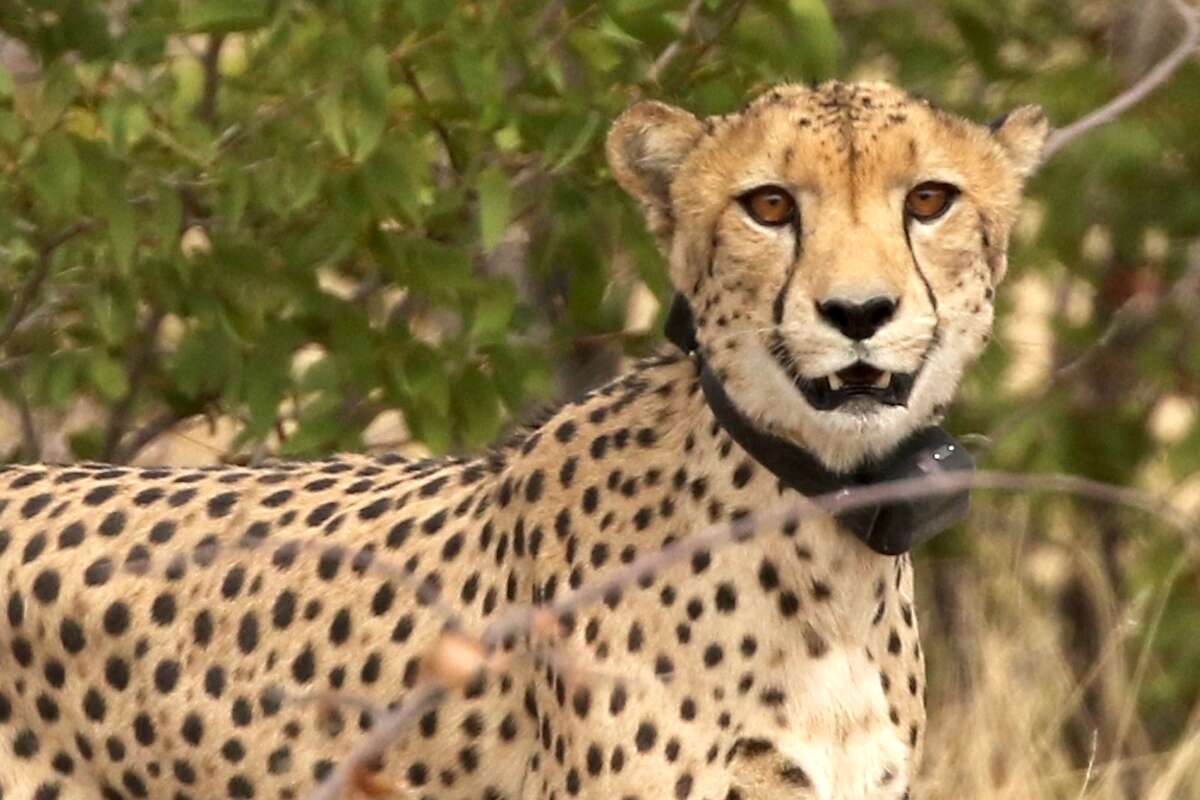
839	248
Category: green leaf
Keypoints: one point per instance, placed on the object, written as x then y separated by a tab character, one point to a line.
494	312
6	84
223	16
477	407
121	230
108	376
56	175
425	376
495	206
333	123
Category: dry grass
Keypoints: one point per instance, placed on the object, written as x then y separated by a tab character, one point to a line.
1014	711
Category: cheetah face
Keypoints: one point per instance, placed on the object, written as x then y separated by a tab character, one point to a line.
839	246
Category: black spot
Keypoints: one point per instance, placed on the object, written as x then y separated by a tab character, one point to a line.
71	635
202	628
789	603
16	609
726	599
646	736
47	708
33	548
99	495
247	635
162	531
284	610
339	629
113	524
98	572
192	729
116	618
321	514
162	611
231	586
304	666
34	505
713	655
214	682
768	576
242	713
94	706
533	486
25	745
46	586
599	446
71	536
116	673
143	729
166	675
434	523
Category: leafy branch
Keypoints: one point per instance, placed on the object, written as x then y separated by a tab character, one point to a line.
33	283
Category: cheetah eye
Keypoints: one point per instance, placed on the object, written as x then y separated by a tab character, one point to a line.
769	205
928	201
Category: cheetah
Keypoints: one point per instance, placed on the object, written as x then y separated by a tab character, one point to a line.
835	250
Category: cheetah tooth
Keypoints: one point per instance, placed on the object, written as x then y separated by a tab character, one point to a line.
884	380
835	382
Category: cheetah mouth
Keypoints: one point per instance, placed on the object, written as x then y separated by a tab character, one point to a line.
859	380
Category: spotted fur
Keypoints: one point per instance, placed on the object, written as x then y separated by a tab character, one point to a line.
161	626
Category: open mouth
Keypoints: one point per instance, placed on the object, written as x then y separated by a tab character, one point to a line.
857	380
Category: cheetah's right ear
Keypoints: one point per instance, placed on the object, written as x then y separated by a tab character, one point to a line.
645	147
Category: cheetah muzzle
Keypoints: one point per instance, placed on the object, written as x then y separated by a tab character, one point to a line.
232	632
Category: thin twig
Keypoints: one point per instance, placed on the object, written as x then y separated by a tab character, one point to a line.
410	77
370	746
33	284
141	356
31	445
525	619
206	109
1087	776
1135	94
1129	319
672	51
146	434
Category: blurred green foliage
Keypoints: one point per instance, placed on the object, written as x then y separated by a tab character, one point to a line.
415	195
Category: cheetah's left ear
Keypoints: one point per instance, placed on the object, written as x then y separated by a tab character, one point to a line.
1023	133
645	148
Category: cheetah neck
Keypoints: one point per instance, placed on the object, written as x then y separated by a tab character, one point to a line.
887	528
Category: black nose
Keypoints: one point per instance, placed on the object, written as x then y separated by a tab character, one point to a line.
858	320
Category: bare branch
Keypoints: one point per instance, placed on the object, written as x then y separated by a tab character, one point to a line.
370	746
33	284
206	109
31	445
147	434
671	52
470	654
1149	82
141	357
1130	320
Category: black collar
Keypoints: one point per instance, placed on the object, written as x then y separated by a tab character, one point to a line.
888	528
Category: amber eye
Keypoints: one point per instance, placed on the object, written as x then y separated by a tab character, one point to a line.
769	205
930	200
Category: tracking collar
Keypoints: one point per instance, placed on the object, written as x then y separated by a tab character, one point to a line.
889	528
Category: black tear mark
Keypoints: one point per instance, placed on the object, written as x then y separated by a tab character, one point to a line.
781	298
921	273
998	123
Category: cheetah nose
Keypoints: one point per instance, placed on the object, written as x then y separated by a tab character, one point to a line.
858	321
